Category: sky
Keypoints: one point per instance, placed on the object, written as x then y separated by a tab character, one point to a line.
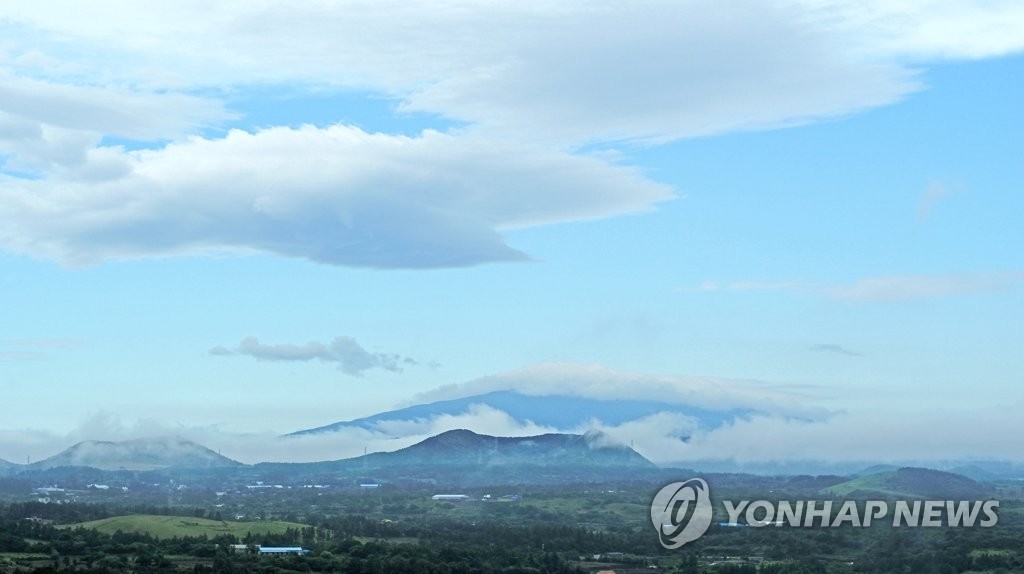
245	219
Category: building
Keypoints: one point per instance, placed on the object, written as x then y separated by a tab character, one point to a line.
450	497
269	550
280	550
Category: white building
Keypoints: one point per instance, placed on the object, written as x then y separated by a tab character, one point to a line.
450	497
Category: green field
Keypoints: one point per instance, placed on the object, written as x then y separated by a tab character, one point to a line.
870	483
171	526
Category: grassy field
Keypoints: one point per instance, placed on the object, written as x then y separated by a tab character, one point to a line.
872	482
171	526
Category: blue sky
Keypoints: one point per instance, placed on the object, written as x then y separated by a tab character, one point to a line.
252	220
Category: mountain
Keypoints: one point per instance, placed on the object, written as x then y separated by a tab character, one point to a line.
555	411
911	482
989	470
983	471
7	466
876	469
978	472
463	457
139	454
464	447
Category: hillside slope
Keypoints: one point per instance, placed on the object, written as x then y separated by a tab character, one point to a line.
552	411
465	457
139	454
911	483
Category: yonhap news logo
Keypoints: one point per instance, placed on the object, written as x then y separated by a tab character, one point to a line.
682	512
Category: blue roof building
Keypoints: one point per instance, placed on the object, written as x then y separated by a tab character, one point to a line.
283	550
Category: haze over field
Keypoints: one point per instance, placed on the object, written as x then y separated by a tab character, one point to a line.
792	230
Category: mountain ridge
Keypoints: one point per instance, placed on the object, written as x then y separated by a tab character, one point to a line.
136	454
559	412
912	482
545	448
464	457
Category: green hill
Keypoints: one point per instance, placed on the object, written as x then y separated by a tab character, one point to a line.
909	483
467	447
171	526
462	457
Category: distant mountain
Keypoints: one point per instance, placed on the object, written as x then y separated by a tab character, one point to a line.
465	457
911	482
139	454
469	448
7	466
976	472
776	467
561	412
877	469
988	470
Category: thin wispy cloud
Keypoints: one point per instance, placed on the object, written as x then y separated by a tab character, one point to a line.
596	381
43	343
712	286
35	348
108	110
886	288
935	194
9	355
346	352
836	349
919	287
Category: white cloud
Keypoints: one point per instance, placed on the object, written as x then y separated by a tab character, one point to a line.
987	433
481	419
836	349
575	72
931	198
20	355
660	71
34	349
851	437
855	436
927	29
568	73
885	288
50	129
712	286
600	382
646	433
108	110
250	448
531	81
349	355
916	287
335	195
